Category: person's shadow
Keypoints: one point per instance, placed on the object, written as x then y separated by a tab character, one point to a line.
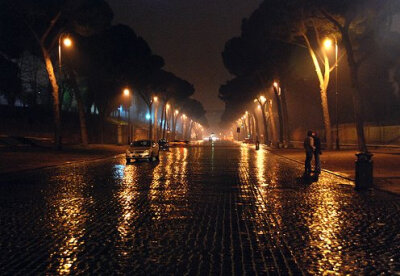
308	179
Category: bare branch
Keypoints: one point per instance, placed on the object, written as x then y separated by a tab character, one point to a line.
51	26
332	19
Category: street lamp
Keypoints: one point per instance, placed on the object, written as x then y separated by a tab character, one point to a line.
67	42
127	93
328	45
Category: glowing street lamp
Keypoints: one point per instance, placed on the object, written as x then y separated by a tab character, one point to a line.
328	45
67	42
126	92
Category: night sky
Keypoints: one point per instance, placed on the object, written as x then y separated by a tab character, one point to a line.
190	36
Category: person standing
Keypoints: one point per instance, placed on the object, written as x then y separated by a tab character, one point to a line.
317	153
309	149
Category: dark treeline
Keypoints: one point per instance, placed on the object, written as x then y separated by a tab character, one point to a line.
284	41
103	60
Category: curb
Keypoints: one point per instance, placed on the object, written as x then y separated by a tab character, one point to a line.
297	161
10	174
330	172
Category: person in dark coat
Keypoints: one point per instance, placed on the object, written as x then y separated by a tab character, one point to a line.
317	153
309	150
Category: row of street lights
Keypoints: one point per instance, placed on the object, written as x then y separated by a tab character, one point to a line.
262	100
184	118
66	41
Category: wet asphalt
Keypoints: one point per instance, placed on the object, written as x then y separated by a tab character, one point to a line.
211	208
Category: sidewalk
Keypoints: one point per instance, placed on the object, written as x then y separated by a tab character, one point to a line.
19	158
386	165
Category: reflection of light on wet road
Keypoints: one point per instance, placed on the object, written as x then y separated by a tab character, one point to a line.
324	226
260	161
126	196
67	219
252	214
169	185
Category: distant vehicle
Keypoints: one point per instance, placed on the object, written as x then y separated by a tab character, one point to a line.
247	141
163	143
177	143
142	149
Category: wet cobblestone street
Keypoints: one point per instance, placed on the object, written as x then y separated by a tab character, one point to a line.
209	209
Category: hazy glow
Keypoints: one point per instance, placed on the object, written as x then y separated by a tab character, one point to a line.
67	42
328	43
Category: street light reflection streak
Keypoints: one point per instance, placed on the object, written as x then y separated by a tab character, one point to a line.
324	226
68	216
127	196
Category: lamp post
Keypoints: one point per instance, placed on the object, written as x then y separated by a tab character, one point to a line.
262	101
127	94
328	45
67	42
277	91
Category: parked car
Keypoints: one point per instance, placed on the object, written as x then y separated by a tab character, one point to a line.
142	149
163	143
178	143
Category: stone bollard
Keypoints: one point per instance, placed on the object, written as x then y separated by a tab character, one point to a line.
364	171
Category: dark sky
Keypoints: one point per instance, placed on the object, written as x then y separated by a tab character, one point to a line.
190	36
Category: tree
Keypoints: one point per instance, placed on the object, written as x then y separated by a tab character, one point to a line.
237	93
196	113
10	83
115	59
169	88
296	22
360	24
46	21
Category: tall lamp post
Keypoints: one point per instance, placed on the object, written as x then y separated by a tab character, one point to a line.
328	45
127	94
67	42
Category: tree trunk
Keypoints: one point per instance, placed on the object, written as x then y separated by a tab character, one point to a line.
266	138
323	79
273	126
189	132
327	120
355	89
174	121
166	125
257	126
161	127
150	122
285	116
56	99
81	107
155	123
280	116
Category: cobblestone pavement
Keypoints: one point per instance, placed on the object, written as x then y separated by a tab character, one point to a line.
210	209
